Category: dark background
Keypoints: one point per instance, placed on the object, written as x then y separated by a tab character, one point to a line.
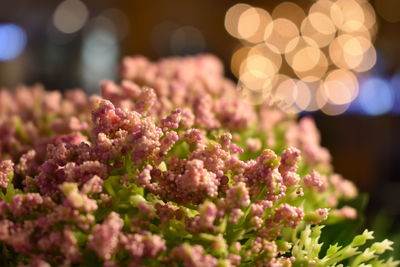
365	149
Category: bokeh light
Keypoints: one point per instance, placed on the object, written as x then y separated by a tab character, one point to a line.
376	96
290	11
340	87
70	16
279	33
248	24
308	58
99	55
12	41
319	28
232	18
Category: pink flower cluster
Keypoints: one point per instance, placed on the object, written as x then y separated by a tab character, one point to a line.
169	167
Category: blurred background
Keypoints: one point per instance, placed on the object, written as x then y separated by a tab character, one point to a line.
338	61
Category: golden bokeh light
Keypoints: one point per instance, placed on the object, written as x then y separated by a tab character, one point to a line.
347	51
361	32
333	110
258	69
322	34
322	48
303	95
368	60
256	80
347	15
313	103
237	59
232	18
369	15
317	71
248	23
321	6
279	33
306	59
337	92
275	59
290	11
297	44
285	91
265	20
340	87
322	23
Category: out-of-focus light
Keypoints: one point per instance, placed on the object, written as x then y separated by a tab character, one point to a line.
335	35
238	58
369	15
187	39
249	22
290	11
317	71
279	33
306	58
100	57
232	18
395	84
321	6
318	27
256	80
334	110
303	98
257	70
274	60
12	41
70	16
286	91
376	96
313	89
322	23
352	52
340	87
264	20
388	9
297	44
347	15
368	60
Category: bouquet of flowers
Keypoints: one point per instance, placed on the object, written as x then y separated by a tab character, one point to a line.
170	167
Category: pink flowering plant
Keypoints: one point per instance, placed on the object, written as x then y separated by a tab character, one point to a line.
171	167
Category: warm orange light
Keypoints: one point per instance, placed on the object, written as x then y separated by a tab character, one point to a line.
303	95
285	91
340	87
265	20
347	15
279	33
290	11
333	110
232	18
297	44
317	71
335	34
237	59
249	22
368	60
306	58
